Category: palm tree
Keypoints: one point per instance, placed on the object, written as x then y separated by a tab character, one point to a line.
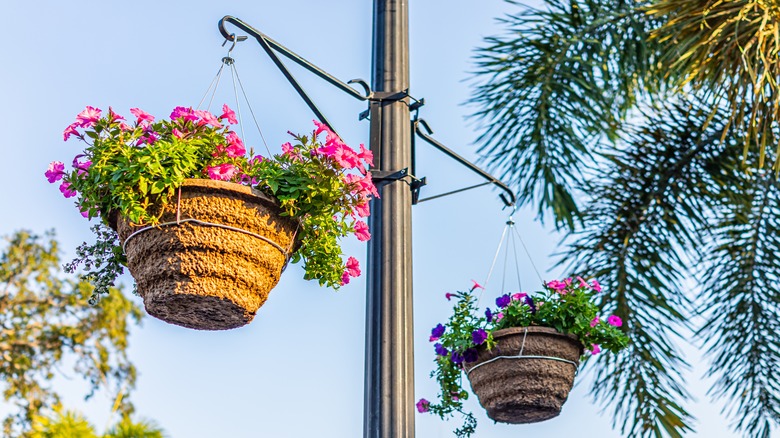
645	130
128	429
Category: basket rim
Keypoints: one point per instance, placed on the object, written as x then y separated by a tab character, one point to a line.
510	331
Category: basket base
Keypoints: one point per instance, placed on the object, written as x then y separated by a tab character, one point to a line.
197	311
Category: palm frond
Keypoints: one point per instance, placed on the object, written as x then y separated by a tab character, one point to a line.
741	303
731	51
561	79
636	239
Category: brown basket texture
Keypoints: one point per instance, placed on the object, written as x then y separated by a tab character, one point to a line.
209	277
529	390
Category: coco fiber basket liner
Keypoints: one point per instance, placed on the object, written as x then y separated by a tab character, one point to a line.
214	257
527	376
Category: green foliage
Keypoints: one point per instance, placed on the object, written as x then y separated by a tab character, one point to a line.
558	81
61	423
134	171
45	322
566	306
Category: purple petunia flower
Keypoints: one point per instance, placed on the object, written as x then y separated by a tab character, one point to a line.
489	315
440	349
437	332
479	336
503	300
456	358
470	355
530	302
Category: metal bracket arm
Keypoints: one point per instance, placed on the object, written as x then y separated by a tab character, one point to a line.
422	129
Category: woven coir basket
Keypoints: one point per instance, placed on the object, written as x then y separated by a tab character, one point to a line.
209	277
528	390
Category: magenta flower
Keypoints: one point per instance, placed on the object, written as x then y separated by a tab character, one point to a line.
476	285
185	114
479	336
79	165
596	286
345	278
289	150
208	118
70	130
437	332
614	321
361	231
327	151
583	284
235	150
142	117
112	116
66	190
353	267
448	296
228	114
88	117
176	133
595	349
422	405
124	126
346	157
557	285
55	172
85	214
223	172
595	321
499	316
518	296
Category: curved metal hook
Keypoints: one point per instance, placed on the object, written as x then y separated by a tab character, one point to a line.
232	37
364	84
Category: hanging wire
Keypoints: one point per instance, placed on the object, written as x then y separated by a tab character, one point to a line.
529	256
493	264
214	83
514	250
251	111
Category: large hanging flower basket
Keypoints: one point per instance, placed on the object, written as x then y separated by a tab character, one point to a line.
214	257
197	217
527	376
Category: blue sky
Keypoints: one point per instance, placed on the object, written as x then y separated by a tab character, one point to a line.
297	369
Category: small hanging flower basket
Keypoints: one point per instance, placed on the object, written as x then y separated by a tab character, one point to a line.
204	228
522	356
528	374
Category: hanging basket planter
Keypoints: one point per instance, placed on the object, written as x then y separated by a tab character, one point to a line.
528	374
204	224
213	258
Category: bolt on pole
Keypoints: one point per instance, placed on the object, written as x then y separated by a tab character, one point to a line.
389	364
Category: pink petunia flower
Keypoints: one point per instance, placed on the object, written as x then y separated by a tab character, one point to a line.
361	231
228	114
499	316
346	157
367	156
55	172
557	285
362	209
595	349
596	286
449	296
595	321
112	116
321	127
124	126
353	267
208	118
583	284
70	130
88	117
176	133
185	114
142	117
614	321
519	296
476	285
66	190
223	172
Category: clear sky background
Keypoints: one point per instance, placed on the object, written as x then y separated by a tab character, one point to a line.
297	370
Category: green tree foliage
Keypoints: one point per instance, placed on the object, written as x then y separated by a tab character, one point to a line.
643	129
46	323
67	424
